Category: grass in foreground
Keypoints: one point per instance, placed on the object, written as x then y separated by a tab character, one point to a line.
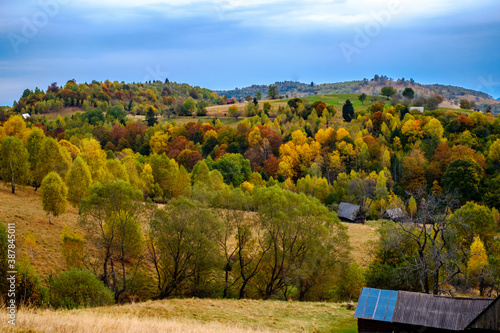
192	315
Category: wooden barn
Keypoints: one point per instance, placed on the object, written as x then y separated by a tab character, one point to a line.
394	214
401	311
349	212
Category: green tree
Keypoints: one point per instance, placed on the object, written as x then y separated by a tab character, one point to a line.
362	98
76	289
348	111
201	108
29	289
258	95
117	112
465	104
464	175
388	91
151	117
272	92
78	181
473	220
183	246
303	241
110	218
234	168
54	193
4	256
14	165
34	145
408	93
188	107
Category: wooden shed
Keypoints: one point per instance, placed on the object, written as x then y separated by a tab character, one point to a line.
394	214
351	213
402	311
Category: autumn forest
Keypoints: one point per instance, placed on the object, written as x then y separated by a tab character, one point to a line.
182	192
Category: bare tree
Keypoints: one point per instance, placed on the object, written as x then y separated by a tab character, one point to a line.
427	243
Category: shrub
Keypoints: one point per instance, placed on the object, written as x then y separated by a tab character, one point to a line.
29	289
78	288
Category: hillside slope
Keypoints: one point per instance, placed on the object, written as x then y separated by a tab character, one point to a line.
25	210
452	94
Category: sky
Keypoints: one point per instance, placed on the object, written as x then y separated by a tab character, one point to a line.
223	44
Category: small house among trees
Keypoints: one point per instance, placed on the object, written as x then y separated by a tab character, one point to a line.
394	214
401	311
351	213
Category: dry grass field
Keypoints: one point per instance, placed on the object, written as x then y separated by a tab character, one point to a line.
191	315
187	315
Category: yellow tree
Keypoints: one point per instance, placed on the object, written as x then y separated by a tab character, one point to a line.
158	142
54	193
52	157
182	182
412	206
95	158
117	170
73	150
15	126
30	243
478	263
412	131
78	181
151	189
133	171
494	152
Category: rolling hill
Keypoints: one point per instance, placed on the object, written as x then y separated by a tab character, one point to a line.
451	94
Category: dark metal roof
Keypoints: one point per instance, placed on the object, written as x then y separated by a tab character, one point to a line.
348	211
376	304
425	310
451	313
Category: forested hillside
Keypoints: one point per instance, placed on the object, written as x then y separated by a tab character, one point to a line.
453	95
177	205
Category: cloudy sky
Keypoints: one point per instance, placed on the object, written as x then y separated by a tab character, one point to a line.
223	44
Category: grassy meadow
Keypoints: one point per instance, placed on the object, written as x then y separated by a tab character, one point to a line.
192	315
176	315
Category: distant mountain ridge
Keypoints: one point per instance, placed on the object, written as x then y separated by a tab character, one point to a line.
290	89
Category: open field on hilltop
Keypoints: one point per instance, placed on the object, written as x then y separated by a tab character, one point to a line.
25	209
192	315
